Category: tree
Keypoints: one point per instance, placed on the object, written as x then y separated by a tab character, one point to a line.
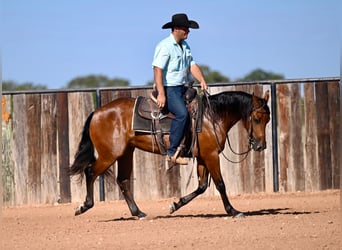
95	81
209	75
260	75
213	76
13	86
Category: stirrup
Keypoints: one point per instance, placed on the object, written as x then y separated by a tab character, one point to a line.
177	160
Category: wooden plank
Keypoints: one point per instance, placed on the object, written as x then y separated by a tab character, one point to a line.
49	168
140	92
33	112
310	140
284	95
122	93
296	167
20	149
8	184
63	146
110	95
323	135
106	96
334	125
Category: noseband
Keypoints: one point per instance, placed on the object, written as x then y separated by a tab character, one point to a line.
260	109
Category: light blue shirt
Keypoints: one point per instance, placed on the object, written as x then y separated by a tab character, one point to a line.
174	61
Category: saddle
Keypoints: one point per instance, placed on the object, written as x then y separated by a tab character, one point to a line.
148	118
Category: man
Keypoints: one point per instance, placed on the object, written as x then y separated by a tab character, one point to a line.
173	66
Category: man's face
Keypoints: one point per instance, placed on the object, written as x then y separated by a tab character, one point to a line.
182	32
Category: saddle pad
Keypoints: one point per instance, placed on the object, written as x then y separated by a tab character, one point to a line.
141	124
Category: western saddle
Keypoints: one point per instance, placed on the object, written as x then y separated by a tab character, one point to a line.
147	108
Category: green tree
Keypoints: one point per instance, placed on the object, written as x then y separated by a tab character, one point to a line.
213	76
260	75
13	86
95	81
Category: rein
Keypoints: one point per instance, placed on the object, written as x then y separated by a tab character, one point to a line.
206	94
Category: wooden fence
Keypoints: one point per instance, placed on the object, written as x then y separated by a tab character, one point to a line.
42	133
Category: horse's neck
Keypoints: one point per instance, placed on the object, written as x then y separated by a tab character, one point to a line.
234	113
233	118
229	108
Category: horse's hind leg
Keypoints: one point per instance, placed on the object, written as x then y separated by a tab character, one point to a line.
91	175
89	201
202	174
125	166
125	189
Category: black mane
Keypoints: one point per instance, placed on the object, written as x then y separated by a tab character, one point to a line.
232	101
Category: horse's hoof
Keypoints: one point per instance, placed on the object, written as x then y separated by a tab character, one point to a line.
239	216
172	208
79	210
142	216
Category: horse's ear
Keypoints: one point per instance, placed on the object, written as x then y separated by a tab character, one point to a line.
255	100
267	95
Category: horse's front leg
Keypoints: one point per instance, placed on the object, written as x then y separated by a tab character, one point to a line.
202	174
220	186
215	172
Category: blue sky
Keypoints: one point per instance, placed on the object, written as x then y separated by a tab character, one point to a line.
52	42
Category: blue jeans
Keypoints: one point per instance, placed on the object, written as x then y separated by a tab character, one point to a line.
175	104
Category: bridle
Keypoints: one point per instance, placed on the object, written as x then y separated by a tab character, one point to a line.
251	140
259	109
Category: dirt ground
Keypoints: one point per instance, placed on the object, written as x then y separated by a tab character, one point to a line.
274	221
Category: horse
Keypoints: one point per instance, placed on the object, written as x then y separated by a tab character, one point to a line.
108	130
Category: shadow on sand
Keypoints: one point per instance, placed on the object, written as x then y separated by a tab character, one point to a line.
262	212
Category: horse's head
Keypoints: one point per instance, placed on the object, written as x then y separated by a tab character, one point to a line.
256	123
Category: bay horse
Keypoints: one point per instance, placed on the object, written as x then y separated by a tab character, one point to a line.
109	131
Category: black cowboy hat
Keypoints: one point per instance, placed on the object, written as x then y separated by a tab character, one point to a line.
181	20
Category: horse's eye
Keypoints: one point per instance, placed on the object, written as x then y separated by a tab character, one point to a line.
256	120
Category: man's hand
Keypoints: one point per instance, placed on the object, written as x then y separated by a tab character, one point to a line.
204	85
161	100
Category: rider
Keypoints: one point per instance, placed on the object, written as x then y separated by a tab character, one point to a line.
173	66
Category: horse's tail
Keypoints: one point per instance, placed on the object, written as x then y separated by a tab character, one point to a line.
84	156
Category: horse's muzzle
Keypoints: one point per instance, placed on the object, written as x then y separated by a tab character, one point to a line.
257	145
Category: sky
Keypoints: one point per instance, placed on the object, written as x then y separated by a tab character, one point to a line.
53	42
